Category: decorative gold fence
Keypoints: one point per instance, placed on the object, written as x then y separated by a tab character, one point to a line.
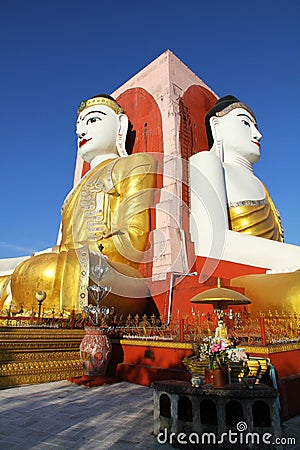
244	328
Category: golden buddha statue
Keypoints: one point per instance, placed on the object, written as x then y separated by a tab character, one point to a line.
108	207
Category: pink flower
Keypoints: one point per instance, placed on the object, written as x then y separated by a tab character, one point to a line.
215	348
223	345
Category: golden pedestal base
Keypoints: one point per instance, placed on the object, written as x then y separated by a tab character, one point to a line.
30	355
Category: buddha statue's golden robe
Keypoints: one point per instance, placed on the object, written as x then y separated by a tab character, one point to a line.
258	218
268	292
110	206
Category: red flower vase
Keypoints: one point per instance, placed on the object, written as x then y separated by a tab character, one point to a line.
220	377
95	352
208	376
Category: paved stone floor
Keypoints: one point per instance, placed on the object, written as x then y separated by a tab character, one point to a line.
64	416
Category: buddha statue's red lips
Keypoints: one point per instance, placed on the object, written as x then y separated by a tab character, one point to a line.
83	141
257	143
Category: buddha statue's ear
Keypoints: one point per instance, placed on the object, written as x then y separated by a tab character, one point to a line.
122	133
217	137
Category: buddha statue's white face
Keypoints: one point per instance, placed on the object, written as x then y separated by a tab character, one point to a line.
97	130
240	136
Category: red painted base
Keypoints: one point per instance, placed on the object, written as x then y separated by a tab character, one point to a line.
149	362
145	375
93	381
289	391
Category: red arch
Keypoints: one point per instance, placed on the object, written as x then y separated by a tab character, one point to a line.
195	103
145	135
145	117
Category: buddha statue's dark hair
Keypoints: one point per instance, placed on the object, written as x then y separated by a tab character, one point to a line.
225	104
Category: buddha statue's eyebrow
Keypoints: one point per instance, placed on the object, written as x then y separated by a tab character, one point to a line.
92	112
248	117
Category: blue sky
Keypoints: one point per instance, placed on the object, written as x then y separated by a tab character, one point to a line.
56	53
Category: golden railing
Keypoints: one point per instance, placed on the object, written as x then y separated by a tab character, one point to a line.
244	328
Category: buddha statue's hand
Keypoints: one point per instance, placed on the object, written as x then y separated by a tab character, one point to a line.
109	233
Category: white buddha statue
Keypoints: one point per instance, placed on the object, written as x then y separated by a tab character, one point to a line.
240	197
109	207
232	215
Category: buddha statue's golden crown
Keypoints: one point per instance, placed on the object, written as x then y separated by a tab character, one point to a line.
233	106
100	101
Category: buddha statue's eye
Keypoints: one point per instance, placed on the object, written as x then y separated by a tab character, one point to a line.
93	120
245	122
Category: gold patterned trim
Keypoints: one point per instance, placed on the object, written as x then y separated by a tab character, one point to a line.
100	101
36	355
34	378
34	367
39	346
235	105
272	348
34	333
159	344
264	201
189	345
83	256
